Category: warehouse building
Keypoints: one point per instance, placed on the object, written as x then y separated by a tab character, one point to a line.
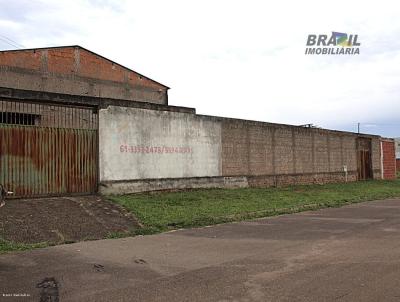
74	122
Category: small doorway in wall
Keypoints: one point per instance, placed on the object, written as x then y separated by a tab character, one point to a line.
364	160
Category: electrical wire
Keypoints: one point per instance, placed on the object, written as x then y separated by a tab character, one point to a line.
11	42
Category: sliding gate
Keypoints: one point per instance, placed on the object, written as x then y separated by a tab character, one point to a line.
48	149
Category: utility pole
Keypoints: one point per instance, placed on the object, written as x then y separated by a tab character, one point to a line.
358	128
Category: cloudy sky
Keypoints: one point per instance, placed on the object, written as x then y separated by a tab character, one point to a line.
241	59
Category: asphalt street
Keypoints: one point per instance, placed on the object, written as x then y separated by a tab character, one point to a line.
338	254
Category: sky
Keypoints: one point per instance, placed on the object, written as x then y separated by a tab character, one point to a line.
241	59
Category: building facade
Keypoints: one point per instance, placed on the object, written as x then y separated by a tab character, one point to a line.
77	71
83	124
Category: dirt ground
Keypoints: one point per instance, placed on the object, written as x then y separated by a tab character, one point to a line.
62	219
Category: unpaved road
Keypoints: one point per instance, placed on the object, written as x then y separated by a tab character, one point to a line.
345	254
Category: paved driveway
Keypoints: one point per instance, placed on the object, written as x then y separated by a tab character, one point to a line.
345	254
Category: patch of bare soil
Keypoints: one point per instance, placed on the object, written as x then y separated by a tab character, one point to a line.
63	219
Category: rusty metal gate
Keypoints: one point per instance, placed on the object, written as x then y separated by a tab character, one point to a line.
364	161
48	149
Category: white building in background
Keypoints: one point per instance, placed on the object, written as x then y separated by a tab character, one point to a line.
397	140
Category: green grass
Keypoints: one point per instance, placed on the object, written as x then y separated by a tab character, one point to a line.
165	211
160	212
8	246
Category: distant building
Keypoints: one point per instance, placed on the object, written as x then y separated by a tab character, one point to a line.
397	144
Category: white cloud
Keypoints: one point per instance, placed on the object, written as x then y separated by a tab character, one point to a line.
236	58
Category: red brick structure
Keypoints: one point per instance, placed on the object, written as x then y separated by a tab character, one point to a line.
77	71
398	165
388	159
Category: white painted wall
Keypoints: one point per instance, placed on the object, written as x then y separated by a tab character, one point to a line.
397	142
142	144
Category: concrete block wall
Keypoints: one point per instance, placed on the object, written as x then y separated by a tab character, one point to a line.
222	152
76	71
255	149
376	158
137	144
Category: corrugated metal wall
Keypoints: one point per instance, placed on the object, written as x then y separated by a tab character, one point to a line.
47	149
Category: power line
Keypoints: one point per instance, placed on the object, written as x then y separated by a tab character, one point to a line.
5	41
11	42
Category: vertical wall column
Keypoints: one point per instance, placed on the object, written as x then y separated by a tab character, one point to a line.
388	159
294	151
